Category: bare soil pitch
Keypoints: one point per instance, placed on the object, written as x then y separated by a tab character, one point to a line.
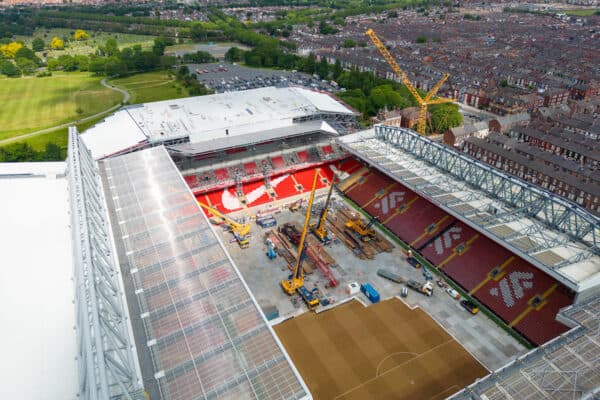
384	351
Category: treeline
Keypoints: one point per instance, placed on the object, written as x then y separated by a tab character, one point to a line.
21	152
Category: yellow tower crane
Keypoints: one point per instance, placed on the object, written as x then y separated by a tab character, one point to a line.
295	282
240	231
423	101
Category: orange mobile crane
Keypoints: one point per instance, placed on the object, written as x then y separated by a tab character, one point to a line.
423	101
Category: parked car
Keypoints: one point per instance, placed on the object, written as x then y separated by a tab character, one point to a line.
453	293
469	306
404	292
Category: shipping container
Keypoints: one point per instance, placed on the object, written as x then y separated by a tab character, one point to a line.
370	292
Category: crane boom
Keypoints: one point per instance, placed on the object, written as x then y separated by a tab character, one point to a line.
319	230
240	231
437	87
393	64
422	101
298	267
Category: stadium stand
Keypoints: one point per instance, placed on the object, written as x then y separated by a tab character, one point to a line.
524	297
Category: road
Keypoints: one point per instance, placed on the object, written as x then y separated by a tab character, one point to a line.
126	97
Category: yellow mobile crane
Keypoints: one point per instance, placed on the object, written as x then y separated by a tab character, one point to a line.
319	230
295	282
365	232
240	231
423	101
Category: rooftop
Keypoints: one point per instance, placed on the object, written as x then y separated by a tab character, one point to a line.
208	118
37	342
198	329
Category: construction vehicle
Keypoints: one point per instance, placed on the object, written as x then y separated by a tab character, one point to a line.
291	232
423	102
424	288
427	274
365	232
295	282
295	206
271	250
240	231
319	229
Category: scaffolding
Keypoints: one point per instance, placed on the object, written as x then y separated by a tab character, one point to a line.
107	365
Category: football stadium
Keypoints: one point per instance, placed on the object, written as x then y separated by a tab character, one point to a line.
260	245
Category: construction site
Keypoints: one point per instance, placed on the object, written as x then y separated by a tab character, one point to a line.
276	251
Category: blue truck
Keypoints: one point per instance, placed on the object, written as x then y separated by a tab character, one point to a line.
370	292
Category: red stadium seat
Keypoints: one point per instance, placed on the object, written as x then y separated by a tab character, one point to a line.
222	174
251	168
278	162
327	149
303	156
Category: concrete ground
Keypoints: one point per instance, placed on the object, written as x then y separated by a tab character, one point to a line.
483	338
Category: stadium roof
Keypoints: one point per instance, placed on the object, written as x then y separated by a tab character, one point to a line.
567	367
229	142
198	329
553	234
207	118
37	340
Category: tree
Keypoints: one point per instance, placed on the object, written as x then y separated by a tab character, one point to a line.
183	71
81	35
198	33
385	96
9	69
9	50
53	152
337	69
444	117
26	65
82	62
234	54
114	67
27	53
421	39
97	66
37	44
57	43
326	29
322	68
160	43
110	48
17	152
349	43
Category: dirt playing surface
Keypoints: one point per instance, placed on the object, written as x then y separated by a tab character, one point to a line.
384	351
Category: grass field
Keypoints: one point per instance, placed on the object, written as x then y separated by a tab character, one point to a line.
150	86
217	50
31	103
89	46
582	12
384	351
